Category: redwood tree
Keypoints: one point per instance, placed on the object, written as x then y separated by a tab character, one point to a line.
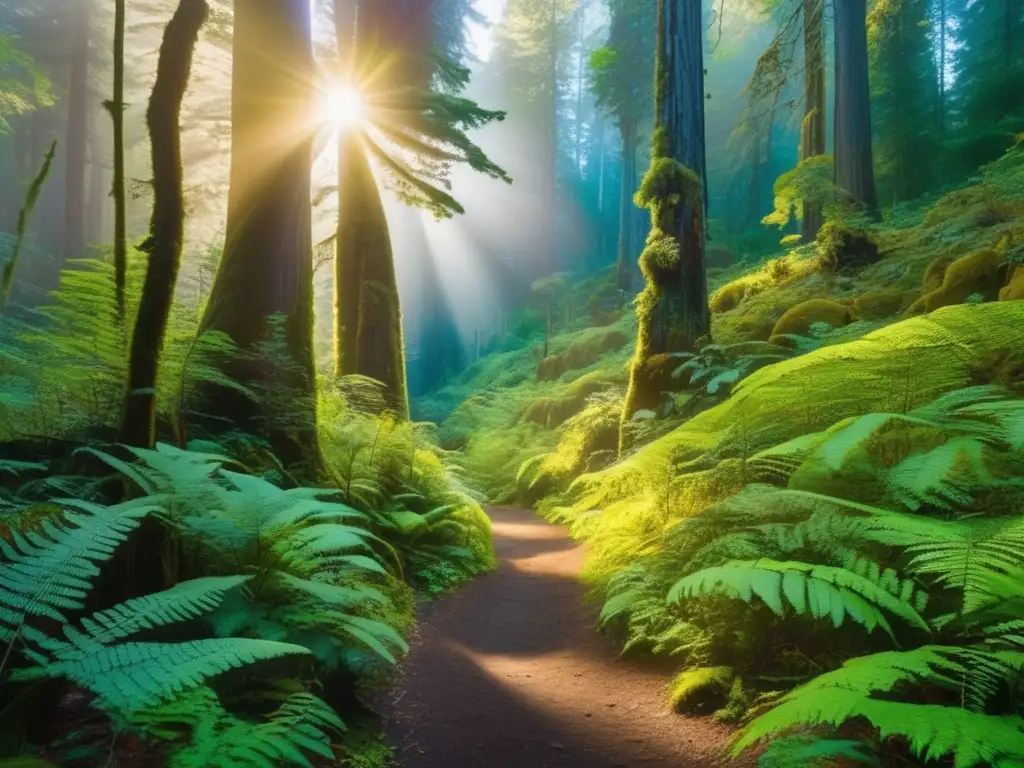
672	310
414	102
855	173
812	131
262	296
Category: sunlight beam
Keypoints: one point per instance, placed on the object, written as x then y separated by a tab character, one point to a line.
342	107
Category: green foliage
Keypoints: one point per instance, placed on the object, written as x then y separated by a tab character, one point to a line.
810	182
23	85
301	726
813	751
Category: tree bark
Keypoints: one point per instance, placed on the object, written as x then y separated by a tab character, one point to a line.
77	142
266	271
368	320
682	315
854	172
624	263
167	227
672	311
116	108
812	132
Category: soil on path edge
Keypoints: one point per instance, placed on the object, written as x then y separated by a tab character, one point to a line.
509	672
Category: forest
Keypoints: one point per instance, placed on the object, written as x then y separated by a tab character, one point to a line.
526	383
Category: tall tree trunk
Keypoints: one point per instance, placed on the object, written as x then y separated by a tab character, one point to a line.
579	95
116	107
98	199
627	186
167	227
943	24
368	319
812	131
266	271
854	173
77	142
549	158
672	311
391	50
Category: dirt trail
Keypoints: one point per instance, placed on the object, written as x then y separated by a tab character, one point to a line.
509	673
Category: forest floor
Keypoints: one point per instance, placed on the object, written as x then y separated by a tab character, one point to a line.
510	672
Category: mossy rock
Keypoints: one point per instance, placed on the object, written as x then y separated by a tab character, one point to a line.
701	690
846	249
755	329
799	319
551	412
976	273
581	354
935	273
881	304
730	295
718	257
1014	289
552	367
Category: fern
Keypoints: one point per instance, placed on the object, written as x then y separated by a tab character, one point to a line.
823	591
812	751
179	603
131	676
301	726
49	572
932	731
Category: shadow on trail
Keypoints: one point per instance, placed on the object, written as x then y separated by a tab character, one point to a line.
510	672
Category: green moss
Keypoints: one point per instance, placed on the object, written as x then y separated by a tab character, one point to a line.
701	689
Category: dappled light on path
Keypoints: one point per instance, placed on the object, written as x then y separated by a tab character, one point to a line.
511	672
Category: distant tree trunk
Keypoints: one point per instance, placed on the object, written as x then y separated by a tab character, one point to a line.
549	156
812	131
116	107
624	264
266	270
943	24
167	227
579	95
854	172
97	204
672	313
77	142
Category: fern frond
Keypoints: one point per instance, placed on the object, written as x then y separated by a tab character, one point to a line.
301	726
181	602
50	571
823	591
814	751
932	731
131	676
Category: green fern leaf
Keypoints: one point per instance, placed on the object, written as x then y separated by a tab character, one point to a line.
131	676
50	571
823	591
179	603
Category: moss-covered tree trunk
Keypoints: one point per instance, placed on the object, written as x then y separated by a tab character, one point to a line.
854	171
368	320
391	47
167	226
672	310
624	264
266	271
812	131
116	108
